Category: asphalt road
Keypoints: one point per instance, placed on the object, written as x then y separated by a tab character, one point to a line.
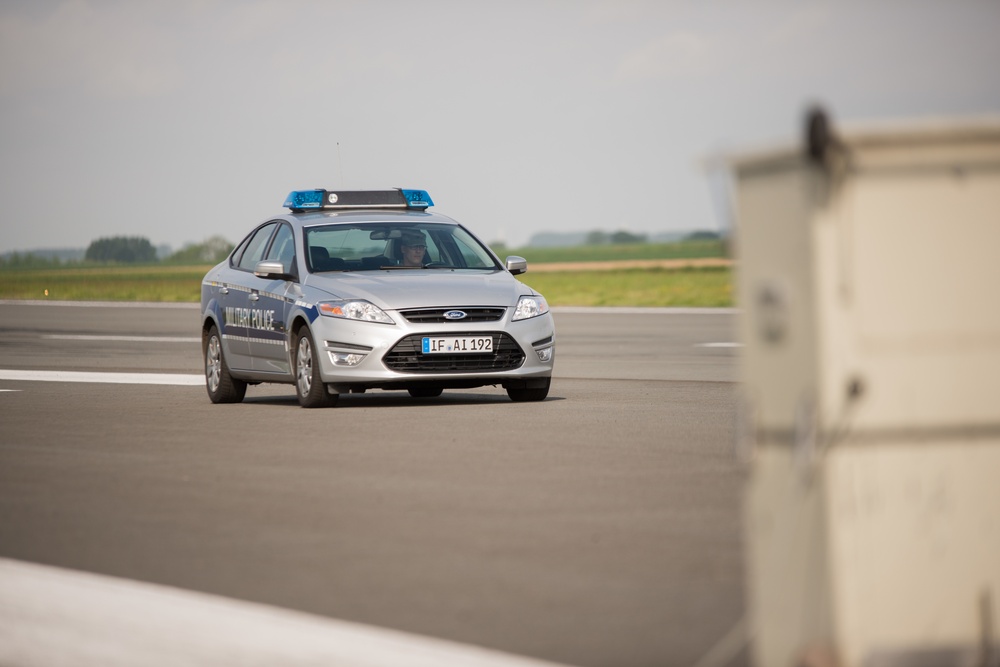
599	527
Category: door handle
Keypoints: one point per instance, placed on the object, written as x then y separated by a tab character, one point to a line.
254	296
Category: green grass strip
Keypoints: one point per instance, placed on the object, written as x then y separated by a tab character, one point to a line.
105	283
691	287
613	252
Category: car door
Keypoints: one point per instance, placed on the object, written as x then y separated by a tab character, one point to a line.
235	297
271	302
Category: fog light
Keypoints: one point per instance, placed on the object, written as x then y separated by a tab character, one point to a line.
545	354
343	359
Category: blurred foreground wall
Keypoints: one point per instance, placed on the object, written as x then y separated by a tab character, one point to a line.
869	276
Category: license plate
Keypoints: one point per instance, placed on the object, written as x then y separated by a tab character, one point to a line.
457	344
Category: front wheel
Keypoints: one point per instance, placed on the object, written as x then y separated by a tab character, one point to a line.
527	394
222	387
309	387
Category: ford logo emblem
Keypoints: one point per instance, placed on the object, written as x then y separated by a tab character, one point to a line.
454	315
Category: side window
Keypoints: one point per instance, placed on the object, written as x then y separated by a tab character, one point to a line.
283	248
254	251
240	249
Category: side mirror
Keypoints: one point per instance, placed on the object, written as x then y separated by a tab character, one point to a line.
273	270
516	265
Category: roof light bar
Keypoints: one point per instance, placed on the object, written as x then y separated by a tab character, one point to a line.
301	200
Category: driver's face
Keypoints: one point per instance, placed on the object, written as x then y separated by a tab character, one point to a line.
413	255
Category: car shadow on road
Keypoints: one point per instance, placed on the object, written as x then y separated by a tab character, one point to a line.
396	399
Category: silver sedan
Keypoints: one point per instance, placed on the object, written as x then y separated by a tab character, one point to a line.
351	291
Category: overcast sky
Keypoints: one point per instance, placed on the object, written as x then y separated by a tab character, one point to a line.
179	120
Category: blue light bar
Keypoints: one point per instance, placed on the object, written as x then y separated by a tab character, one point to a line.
417	198
300	200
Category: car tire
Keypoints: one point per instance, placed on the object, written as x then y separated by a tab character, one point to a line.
525	395
425	392
222	387
309	387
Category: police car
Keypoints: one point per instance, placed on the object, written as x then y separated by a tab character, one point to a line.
358	290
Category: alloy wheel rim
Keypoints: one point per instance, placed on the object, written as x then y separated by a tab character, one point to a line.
304	366
213	367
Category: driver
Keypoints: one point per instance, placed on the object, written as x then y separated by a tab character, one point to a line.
414	247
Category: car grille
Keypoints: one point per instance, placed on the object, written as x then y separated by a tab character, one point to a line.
436	315
406	356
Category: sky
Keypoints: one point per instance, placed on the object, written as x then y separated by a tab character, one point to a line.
179	120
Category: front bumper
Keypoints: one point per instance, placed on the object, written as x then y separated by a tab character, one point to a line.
366	355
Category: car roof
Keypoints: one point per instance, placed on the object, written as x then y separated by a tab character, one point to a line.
350	216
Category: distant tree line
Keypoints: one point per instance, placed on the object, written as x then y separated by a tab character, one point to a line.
621	236
123	250
210	251
27	260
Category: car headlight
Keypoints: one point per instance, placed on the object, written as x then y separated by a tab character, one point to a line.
528	307
354	310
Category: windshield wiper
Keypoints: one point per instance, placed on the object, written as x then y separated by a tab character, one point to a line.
450	267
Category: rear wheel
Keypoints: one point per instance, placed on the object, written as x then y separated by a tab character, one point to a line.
309	387
425	392
527	394
222	387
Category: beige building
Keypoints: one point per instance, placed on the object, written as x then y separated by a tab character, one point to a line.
869	278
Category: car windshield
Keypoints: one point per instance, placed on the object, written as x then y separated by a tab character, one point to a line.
378	246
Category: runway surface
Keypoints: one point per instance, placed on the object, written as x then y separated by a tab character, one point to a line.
599	527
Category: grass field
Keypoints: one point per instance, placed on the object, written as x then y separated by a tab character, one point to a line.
695	287
105	283
611	252
635	287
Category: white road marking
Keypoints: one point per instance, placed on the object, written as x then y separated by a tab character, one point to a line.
643	310
719	345
101	304
112	378
128	339
10	390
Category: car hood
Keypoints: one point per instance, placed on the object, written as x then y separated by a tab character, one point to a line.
398	289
